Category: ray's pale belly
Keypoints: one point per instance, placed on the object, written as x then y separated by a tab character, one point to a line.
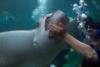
48	48
39	50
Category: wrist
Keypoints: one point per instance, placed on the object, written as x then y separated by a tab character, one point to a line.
63	33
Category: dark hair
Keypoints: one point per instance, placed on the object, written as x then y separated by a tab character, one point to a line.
92	23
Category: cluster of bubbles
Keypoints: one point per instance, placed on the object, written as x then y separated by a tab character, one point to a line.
80	8
41	10
82	16
81	12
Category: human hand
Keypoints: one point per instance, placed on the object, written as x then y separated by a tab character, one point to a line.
58	29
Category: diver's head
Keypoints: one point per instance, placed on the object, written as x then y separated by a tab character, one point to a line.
58	18
92	29
91	23
94	34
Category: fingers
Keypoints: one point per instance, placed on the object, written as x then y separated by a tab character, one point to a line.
55	28
61	24
52	28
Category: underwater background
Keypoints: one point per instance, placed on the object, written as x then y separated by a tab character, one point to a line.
17	14
24	15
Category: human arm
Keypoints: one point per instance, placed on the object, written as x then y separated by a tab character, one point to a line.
81	47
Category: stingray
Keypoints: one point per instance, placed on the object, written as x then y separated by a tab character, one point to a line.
19	47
